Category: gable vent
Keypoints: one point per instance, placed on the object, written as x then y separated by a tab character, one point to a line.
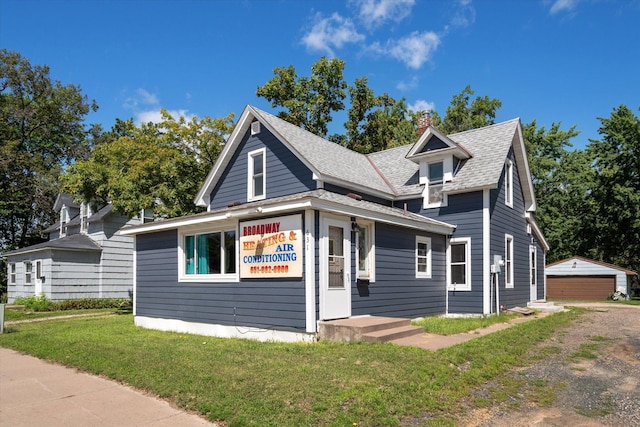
255	128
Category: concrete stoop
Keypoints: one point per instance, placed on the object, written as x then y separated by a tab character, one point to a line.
545	306
367	328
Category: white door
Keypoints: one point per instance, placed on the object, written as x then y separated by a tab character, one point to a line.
335	269
533	278
38	278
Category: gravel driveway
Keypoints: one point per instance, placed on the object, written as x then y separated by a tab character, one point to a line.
594	371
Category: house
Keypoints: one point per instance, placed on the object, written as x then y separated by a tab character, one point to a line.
299	230
85	257
579	278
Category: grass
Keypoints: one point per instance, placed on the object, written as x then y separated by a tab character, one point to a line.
11	314
248	383
586	351
448	326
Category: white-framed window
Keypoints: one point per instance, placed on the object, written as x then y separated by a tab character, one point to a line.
436	179
365	251
28	272
508	260
256	178
532	265
459	264
84	217
508	183
12	273
147	215
423	257
208	255
64	218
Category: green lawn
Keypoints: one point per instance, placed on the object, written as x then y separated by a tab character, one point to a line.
448	326
247	383
11	315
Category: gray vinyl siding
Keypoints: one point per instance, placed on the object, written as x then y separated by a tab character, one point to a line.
285	174
269	304
397	291
506	220
74	275
465	211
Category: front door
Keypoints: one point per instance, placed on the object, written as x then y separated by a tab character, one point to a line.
38	278
335	270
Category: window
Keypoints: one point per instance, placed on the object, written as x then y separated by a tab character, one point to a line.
508	184
147	215
256	185
508	260
532	265
84	216
28	272
459	264
208	256
436	177
12	273
64	218
365	252
423	257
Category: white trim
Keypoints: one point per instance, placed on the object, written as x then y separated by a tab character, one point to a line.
135	273
222	331
508	183
310	269
533	266
467	285
326	221
509	250
371	258
423	274
208	278
251	197
486	251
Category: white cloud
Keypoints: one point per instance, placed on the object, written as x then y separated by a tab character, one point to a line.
405	86
374	13
563	6
140	97
422	105
330	33
413	50
464	15
155	116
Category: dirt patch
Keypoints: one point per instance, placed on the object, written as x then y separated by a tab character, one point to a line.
590	378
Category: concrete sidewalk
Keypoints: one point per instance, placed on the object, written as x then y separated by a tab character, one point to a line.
37	393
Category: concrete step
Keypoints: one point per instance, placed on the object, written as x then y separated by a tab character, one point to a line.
385	335
352	329
545	306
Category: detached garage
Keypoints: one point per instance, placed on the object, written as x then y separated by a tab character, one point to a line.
580	278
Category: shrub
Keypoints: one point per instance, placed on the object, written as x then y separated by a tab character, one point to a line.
35	302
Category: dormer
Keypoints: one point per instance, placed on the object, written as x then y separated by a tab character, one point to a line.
439	158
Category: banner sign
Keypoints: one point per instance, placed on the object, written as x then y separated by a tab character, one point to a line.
271	248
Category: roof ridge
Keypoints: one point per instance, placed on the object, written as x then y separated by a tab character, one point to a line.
485	127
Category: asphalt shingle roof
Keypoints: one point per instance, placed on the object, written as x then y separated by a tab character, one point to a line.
78	242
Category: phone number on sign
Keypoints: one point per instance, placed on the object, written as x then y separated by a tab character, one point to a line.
270	269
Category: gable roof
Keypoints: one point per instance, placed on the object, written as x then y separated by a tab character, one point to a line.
417	151
388	174
592	261
74	242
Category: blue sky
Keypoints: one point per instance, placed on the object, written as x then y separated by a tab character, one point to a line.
567	61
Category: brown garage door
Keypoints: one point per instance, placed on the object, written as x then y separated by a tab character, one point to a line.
580	287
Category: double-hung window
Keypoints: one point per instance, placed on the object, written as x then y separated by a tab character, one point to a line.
459	264
365	251
508	260
28	272
12	273
208	256
436	179
256	179
532	265
423	257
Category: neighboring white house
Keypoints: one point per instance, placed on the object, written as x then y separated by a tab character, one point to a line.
586	279
85	257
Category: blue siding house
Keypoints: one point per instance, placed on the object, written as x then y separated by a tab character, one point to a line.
300	230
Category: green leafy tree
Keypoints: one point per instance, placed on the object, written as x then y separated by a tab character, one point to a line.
464	114
41	131
616	222
157	165
309	101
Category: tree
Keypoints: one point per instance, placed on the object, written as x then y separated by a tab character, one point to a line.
41	131
615	224
157	165
462	115
309	101
376	123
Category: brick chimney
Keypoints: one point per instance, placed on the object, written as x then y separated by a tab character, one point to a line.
424	121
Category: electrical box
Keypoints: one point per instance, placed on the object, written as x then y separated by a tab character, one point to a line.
497	264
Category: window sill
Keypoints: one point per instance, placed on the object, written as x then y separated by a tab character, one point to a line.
209	278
